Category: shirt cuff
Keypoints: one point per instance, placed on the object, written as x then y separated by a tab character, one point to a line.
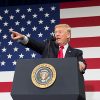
24	41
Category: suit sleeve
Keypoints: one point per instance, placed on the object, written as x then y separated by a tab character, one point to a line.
80	58
36	45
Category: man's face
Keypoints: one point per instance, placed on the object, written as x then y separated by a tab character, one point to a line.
61	35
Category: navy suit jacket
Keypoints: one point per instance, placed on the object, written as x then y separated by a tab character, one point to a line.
49	49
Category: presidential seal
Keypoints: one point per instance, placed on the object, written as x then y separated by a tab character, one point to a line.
43	75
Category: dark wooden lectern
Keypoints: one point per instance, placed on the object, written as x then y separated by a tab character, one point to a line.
69	84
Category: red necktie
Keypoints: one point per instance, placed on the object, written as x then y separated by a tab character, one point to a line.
60	52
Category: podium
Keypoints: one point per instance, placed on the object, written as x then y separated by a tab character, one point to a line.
69	83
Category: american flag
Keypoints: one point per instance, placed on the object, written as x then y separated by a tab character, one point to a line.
38	21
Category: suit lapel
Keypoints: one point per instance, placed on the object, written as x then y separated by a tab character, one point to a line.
68	52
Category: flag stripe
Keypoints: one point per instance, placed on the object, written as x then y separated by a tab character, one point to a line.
78	12
92	86
79	4
92	74
6	76
92	95
93	63
93	31
5	96
89	86
91	52
5	86
82	42
81	22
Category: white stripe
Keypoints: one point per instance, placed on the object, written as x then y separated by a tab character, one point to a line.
92	95
6	76
92	74
80	12
89	96
91	52
78	32
5	96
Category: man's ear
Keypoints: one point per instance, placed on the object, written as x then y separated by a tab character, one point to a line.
68	35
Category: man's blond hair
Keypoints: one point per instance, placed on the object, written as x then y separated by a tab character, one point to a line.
66	26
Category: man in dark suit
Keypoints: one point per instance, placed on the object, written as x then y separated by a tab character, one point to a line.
56	47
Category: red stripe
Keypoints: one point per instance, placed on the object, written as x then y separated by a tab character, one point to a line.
5	86
89	86
81	22
93	63
85	42
92	86
80	4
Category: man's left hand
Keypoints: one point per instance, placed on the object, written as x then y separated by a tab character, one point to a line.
81	66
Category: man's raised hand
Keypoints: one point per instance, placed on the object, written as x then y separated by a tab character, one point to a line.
16	36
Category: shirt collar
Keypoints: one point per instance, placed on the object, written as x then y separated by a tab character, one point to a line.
65	46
